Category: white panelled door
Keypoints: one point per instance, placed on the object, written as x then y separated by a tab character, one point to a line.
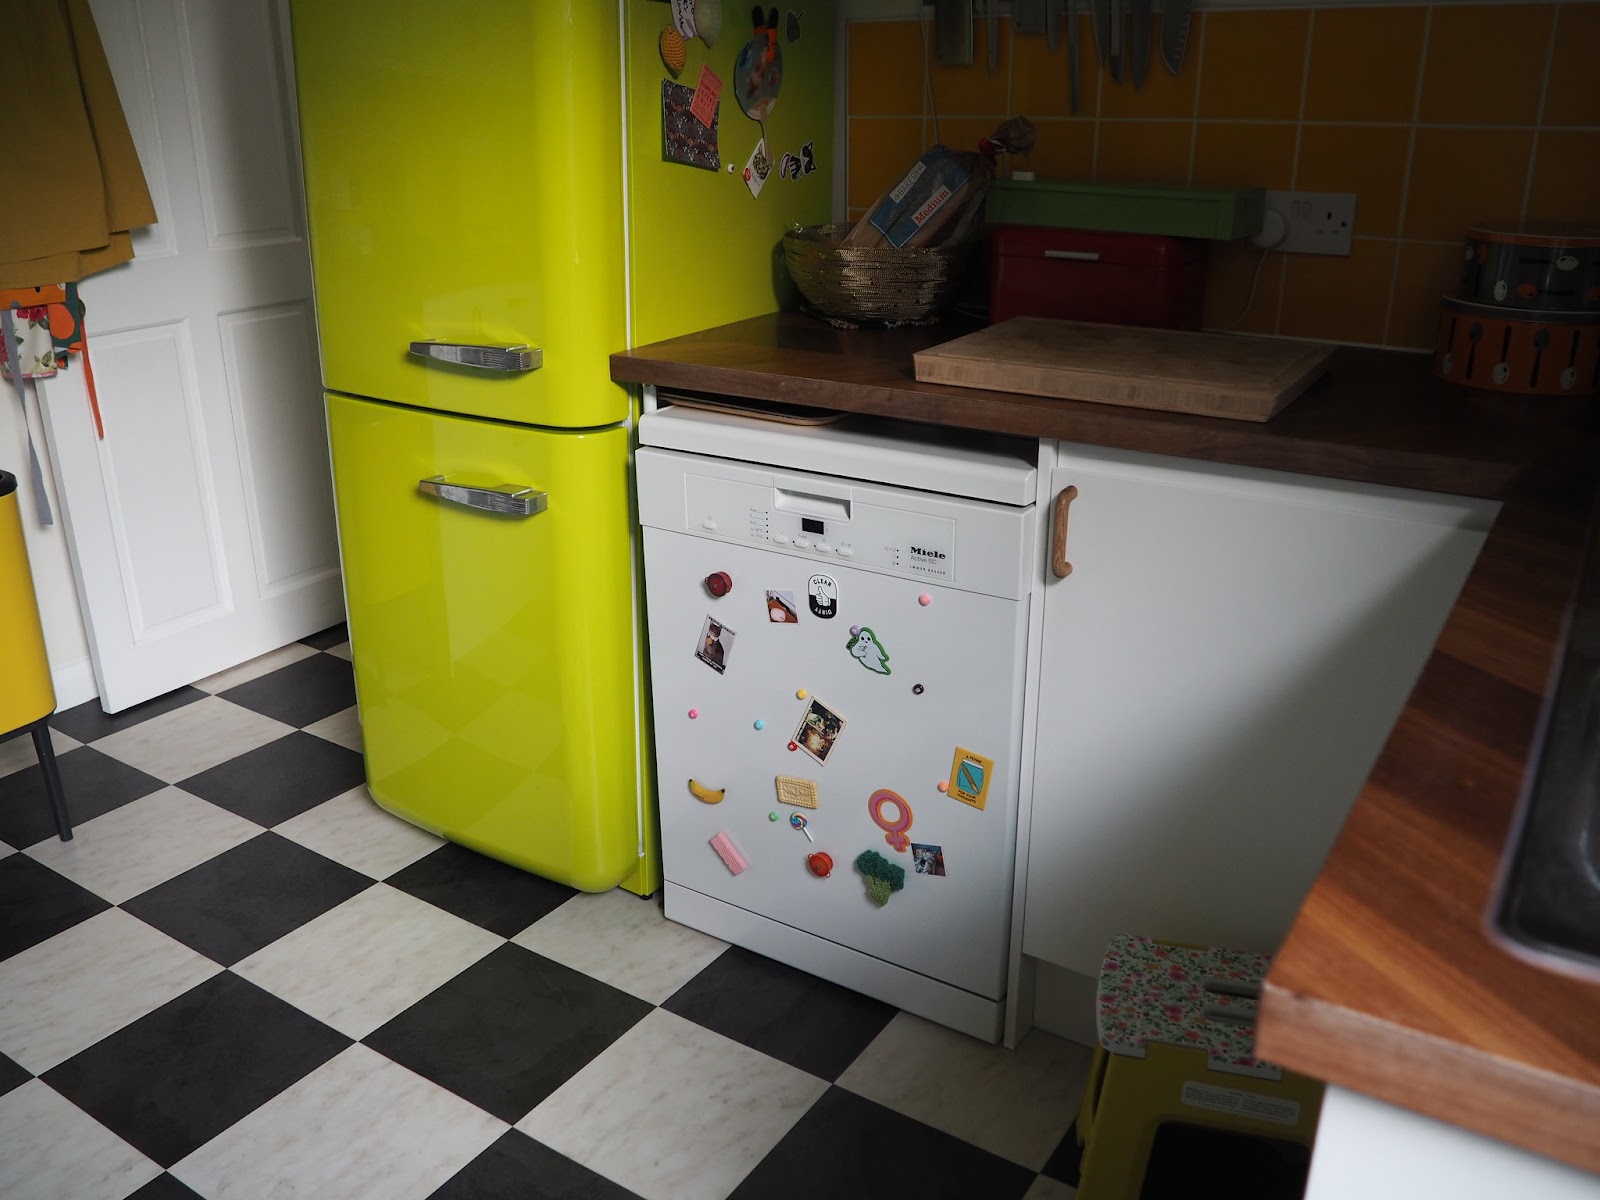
202	525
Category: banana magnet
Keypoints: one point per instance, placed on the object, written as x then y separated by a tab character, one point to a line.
709	795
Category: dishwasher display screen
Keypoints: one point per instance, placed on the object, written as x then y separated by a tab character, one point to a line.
811	525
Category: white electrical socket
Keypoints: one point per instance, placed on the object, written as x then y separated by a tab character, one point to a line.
1316	222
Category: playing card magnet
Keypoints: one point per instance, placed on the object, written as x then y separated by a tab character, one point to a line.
969	778
716	644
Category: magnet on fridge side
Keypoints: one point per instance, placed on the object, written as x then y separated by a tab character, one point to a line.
781	609
760	724
822	593
820	864
800	693
925	599
917	689
927	860
882	877
728	853
970	775
694	714
801	793
716	645
719	583
706	794
796	821
866	649
894	832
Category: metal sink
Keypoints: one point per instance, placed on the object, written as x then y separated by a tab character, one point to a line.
1549	899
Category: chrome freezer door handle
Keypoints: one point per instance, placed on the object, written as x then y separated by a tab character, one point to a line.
507	499
507	358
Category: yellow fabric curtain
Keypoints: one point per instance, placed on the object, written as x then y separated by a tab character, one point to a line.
72	185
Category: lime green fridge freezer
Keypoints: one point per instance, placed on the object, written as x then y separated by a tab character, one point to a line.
490	217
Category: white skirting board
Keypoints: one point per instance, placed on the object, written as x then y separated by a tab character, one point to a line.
958	1009
74	683
1064	1003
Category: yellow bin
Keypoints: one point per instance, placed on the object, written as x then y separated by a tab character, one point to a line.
27	696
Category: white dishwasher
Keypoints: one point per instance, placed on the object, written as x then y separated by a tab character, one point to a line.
838	621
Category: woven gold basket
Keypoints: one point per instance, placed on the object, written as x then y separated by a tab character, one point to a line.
876	283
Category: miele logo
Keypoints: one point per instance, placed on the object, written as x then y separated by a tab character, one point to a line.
921	553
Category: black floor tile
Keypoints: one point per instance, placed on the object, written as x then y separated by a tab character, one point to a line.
88	721
848	1148
490	894
508	1030
11	1075
332	636
806	1022
1066	1160
518	1168
248	897
36	903
280	780
164	1187
93	783
300	693
174	1079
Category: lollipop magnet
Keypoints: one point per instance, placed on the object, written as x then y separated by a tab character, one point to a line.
798	821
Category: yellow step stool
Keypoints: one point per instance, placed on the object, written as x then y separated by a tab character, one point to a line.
1177	1036
27	697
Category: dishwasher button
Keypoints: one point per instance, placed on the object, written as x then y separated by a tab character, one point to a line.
847	551
803	543
708	523
781	538
824	547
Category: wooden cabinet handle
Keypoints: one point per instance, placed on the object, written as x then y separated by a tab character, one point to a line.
1058	533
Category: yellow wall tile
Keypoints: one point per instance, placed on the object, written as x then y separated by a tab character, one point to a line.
1364	64
1338	297
1253	64
1143	151
1427	271
1230	267
1369	160
1231	155
973	90
1485	63
1461	177
1039	76
1573	97
885	77
881	148
1064	149
1566	177
1163	94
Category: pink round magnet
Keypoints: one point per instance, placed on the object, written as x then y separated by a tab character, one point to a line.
693	713
925	599
944	785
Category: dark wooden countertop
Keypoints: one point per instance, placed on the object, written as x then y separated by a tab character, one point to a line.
1389	982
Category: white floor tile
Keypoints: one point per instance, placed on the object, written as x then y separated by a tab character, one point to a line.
624	941
54	1150
255	668
342	650
1045	1188
369	959
87	982
131	849
192	739
674	1111
357	1127
342	728
1014	1103
5	849
17	754
351	829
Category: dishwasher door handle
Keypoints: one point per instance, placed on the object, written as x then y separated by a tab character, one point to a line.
504	357
1058	532
505	499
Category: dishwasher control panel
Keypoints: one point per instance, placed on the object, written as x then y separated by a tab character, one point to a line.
825	521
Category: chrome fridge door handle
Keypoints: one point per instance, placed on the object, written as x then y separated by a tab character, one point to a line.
500	357
506	499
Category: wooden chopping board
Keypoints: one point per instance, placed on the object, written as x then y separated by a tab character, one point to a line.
1214	374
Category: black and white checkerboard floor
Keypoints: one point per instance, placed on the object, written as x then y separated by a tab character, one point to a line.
243	979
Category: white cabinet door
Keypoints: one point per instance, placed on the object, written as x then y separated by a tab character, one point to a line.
1219	672
202	525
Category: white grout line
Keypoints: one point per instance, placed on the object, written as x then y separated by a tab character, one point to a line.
1538	119
1199	80
1405	179
1294	163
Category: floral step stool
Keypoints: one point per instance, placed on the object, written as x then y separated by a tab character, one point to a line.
1177	1044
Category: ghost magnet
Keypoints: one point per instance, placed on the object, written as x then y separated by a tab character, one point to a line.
866	649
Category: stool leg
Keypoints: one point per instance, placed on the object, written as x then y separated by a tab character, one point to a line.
52	778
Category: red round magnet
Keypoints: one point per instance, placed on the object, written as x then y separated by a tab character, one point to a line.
794	745
719	583
820	864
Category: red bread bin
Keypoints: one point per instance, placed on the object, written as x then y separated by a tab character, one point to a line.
1082	275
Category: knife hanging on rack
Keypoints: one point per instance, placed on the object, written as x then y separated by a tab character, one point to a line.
993	7
1174	32
1071	8
1100	15
1139	40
